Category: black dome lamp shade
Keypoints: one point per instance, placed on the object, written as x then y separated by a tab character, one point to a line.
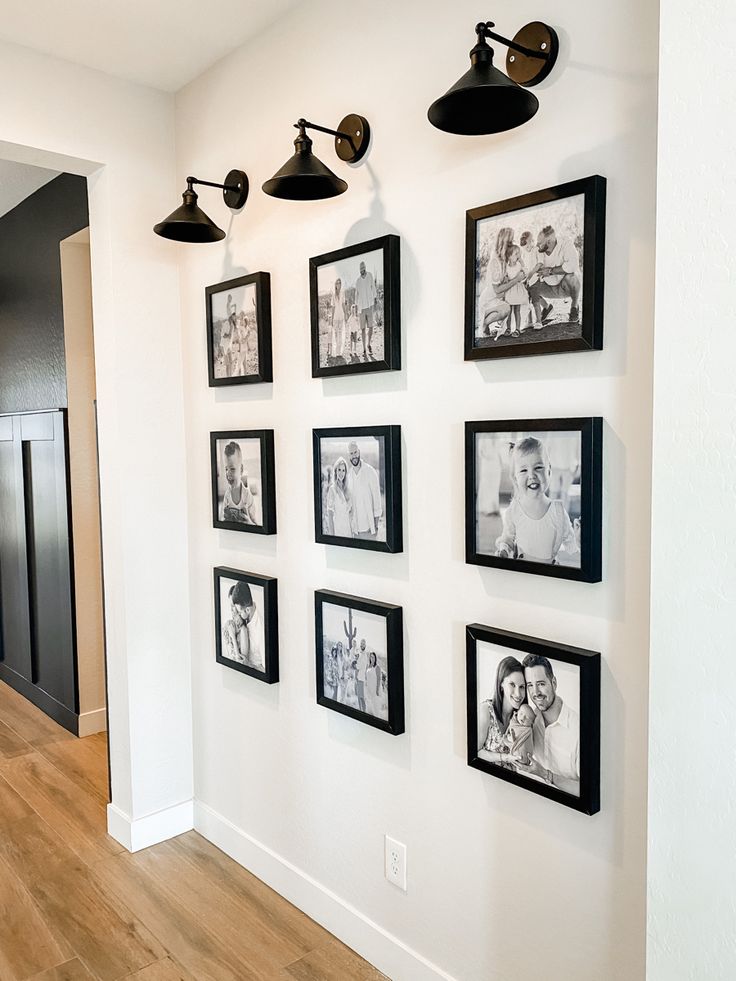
485	100
304	177
190	224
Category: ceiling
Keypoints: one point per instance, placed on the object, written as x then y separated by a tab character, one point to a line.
18	181
161	43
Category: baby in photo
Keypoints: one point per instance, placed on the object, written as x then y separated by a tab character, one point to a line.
520	736
535	527
238	503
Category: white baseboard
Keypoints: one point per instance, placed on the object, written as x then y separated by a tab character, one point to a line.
151	829
92	722
376	945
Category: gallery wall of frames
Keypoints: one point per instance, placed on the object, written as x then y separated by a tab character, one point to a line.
461	430
533	487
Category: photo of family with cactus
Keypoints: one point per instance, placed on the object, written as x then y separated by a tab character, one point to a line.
355	663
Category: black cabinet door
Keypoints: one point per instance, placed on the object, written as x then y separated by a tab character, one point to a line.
36	584
15	648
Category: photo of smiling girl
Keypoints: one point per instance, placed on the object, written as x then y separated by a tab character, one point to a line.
539	496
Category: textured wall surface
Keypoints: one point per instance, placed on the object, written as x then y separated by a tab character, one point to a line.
503	885
692	803
32	370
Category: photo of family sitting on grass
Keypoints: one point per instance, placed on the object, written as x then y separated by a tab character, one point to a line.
530	264
529	274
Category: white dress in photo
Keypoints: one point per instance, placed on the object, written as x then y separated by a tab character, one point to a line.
337	334
517	295
539	539
342	511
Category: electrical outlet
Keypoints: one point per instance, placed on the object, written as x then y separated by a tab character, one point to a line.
395	862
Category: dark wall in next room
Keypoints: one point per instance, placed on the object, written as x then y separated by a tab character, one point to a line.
32	368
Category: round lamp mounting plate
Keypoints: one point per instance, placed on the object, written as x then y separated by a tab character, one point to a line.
354	149
528	71
236	199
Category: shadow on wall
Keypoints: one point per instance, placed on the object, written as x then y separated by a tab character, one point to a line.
364	229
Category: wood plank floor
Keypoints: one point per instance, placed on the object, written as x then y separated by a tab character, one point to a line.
75	906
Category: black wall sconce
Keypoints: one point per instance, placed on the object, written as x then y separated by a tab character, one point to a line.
190	224
485	100
304	177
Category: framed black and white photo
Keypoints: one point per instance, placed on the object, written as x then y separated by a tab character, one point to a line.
360	659
533	490
357	487
243	481
247	623
356	308
534	714
534	272
239	330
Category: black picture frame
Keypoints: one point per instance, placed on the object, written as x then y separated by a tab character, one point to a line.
268	479
392	486
591	496
591	313
262	282
589	664
270	616
394	618
391	361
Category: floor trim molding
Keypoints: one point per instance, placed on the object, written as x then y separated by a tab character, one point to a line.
151	829
370	940
92	722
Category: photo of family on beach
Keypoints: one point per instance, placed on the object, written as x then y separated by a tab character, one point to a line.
524	713
238	330
246	623
526	280
533	496
243	497
354	300
356	477
359	660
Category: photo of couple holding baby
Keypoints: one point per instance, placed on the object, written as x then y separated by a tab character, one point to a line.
530	722
528	262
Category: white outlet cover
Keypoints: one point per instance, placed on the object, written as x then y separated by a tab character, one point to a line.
395	862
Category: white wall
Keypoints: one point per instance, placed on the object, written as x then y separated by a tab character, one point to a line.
503	884
60	116
693	672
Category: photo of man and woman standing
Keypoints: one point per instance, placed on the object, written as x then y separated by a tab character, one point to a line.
528	274
354	659
353	487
